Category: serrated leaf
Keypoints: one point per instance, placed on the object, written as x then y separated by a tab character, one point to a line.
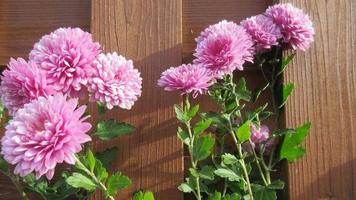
229	159
202	147
110	129
4	166
117	182
276	185
285	62
287	90
91	160
193	111
242	91
78	180
180	114
100	171
243	132
290	149
107	157
101	108
207	172
184	187
263	193
227	173
215	196
143	196
183	136
201	126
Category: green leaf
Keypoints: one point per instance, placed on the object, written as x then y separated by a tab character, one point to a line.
107	157
257	92
201	126
193	111
285	62
243	132
110	129
183	136
207	172
117	182
100	171
4	166
101	108
91	160
276	185
287	90
290	149
180	114
143	196
227	173
263	193
202	147
78	180
242	91
184	187
229	159
215	196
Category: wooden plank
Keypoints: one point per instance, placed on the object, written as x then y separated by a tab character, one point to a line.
325	80
198	14
23	22
149	33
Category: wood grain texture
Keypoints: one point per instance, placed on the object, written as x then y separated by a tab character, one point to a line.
199	14
149	33
325	95
23	22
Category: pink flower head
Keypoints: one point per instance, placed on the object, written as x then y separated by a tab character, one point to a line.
259	134
66	56
263	31
223	47
296	26
187	78
115	81
21	83
47	131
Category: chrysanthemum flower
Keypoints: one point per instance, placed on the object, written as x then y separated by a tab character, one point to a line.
66	56
259	134
44	133
187	78
21	83
115	81
296	26
264	32
223	47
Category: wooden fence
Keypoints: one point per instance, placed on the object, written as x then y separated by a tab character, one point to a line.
157	34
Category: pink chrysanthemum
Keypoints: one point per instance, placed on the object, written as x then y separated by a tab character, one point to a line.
115	81
296	26
259	134
66	56
187	78
263	31
44	133
223	47
21	83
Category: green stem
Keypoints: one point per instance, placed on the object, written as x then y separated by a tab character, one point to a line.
258	164
193	162
18	186
238	145
94	178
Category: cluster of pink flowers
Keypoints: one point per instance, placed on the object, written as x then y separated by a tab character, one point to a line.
41	95
226	46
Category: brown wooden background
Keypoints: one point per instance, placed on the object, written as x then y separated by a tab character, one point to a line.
157	34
